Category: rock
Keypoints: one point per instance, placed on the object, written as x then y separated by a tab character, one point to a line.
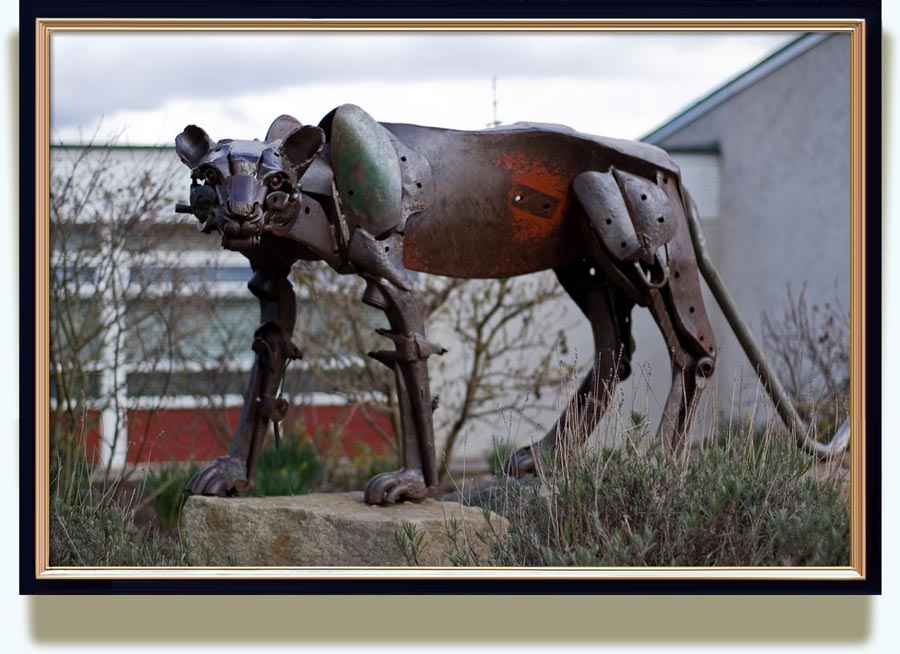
328	529
494	494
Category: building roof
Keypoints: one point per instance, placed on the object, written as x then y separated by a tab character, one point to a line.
734	86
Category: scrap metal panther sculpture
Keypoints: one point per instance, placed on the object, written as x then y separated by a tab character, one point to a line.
378	199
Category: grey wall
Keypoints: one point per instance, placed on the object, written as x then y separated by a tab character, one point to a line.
785	202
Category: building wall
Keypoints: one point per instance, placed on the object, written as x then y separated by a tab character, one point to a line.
784	196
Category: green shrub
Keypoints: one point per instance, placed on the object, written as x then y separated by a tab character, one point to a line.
733	503
368	463
293	467
351	473
498	455
164	491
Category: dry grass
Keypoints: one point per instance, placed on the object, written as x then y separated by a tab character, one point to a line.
95	527
745	499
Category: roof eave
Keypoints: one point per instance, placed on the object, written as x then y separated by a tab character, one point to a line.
734	86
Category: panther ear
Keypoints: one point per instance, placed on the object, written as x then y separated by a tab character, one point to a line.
301	146
192	145
281	127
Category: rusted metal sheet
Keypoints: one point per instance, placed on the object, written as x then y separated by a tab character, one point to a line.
684	279
608	214
650	211
503	212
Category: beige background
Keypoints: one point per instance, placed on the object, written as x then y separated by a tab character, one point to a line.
282	623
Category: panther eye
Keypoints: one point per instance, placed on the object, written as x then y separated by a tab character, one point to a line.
211	175
275	181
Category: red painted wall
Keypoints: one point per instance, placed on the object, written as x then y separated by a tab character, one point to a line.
167	435
88	432
183	435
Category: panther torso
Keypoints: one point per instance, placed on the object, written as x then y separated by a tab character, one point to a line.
498	202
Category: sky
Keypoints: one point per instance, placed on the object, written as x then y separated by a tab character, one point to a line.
143	88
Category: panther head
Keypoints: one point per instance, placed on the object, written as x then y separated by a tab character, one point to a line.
245	189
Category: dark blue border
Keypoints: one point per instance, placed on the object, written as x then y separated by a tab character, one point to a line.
873	298
870	10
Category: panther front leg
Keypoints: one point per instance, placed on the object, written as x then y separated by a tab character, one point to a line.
379	261
233	474
417	479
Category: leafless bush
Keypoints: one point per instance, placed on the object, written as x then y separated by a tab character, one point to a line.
502	346
126	313
810	343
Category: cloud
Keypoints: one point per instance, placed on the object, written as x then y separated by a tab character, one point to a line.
148	77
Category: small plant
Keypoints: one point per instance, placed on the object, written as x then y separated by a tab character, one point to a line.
292	467
498	455
467	547
410	541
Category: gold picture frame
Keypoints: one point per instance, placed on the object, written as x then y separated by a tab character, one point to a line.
46	578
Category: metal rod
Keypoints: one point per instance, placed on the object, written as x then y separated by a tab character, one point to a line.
782	401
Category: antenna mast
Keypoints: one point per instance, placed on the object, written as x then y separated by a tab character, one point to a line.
496	121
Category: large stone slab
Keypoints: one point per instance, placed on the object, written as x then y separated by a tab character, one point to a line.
333	529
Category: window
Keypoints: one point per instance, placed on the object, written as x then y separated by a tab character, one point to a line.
701	175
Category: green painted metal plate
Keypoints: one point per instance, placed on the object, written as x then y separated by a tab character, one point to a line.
366	171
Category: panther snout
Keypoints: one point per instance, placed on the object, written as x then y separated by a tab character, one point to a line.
243	211
245	196
240	229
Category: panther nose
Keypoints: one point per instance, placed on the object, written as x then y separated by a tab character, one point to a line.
243	203
243	210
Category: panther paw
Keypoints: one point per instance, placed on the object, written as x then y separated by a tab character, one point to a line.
406	484
224	476
523	462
